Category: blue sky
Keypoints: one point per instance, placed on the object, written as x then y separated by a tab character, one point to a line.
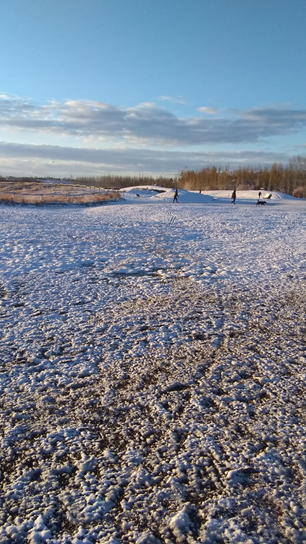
91	87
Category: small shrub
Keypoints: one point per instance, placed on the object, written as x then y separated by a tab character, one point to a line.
299	192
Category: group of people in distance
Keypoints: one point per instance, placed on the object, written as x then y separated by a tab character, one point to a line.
233	196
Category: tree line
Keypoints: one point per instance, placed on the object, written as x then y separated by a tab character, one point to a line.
120	182
290	179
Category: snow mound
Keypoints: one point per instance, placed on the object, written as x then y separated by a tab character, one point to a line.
156	194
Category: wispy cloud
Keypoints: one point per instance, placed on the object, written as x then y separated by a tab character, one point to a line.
175	99
147	123
48	159
141	138
208	111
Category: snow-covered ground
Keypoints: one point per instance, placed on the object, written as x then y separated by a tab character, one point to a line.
153	360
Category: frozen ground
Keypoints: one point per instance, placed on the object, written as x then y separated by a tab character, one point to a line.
153	361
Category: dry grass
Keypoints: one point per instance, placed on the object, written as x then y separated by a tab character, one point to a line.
299	192
46	193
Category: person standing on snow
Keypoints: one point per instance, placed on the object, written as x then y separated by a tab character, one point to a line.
175	196
234	196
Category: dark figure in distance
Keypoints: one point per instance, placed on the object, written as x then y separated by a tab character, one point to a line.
234	196
259	195
175	196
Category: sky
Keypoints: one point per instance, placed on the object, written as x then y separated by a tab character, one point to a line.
150	87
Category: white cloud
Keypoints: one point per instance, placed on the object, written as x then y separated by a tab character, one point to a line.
140	135
208	111
22	159
176	99
147	122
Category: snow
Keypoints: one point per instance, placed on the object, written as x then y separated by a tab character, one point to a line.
153	364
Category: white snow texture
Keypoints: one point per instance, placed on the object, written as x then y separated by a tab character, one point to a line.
152	359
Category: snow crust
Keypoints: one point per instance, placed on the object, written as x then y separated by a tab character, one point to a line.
152	360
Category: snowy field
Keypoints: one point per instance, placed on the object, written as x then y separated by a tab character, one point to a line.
153	360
